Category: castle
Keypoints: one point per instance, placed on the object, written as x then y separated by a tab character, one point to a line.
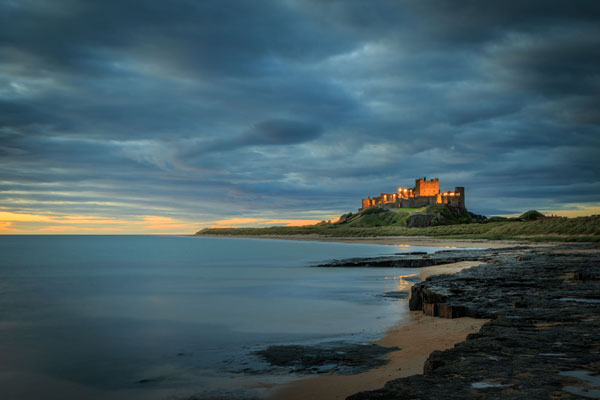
423	194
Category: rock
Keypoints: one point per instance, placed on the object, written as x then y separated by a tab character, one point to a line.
586	276
543	341
343	359
447	311
522	258
399	294
412	260
430	309
425	220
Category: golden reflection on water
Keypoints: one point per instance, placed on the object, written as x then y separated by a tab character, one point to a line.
402	284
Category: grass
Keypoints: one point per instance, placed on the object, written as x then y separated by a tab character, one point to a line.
375	216
586	229
410	209
401	217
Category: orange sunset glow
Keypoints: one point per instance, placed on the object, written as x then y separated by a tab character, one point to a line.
21	223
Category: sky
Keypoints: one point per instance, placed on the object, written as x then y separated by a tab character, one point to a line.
129	116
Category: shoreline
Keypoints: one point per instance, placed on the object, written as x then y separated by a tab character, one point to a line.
542	339
448	321
416	336
427	241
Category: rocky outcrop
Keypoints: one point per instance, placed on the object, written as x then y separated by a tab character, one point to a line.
417	259
423	220
543	341
342	358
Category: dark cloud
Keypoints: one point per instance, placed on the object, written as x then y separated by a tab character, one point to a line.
183	107
280	132
192	38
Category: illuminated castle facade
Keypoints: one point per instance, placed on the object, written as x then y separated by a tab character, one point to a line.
423	194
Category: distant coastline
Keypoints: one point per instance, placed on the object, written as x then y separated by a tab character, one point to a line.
429	241
580	229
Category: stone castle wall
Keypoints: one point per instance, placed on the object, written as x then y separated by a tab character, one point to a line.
423	187
423	194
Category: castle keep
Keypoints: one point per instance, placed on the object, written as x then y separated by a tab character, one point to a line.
423	194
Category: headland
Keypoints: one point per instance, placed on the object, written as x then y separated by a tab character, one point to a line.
425	211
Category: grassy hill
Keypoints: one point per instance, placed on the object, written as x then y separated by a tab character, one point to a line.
408	217
448	224
531	215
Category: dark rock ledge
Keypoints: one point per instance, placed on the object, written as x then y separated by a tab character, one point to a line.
421	259
345	359
543	341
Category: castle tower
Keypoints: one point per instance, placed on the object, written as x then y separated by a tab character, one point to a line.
423	187
461	196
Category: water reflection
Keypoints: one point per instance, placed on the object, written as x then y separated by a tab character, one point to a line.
152	317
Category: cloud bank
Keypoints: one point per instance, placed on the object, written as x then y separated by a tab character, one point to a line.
287	110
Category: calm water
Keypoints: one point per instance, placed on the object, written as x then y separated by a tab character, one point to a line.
92	316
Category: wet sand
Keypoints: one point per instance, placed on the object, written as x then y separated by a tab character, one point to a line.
446	268
417	336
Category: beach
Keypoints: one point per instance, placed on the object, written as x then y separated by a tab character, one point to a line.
523	324
543	337
417	337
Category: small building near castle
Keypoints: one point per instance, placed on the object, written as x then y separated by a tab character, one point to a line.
423	194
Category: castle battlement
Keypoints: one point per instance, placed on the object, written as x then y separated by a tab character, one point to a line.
423	194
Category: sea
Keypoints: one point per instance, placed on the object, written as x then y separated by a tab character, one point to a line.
178	317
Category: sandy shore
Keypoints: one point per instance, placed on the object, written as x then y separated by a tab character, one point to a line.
417	337
446	268
398	241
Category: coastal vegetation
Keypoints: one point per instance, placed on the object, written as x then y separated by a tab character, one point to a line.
436	221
